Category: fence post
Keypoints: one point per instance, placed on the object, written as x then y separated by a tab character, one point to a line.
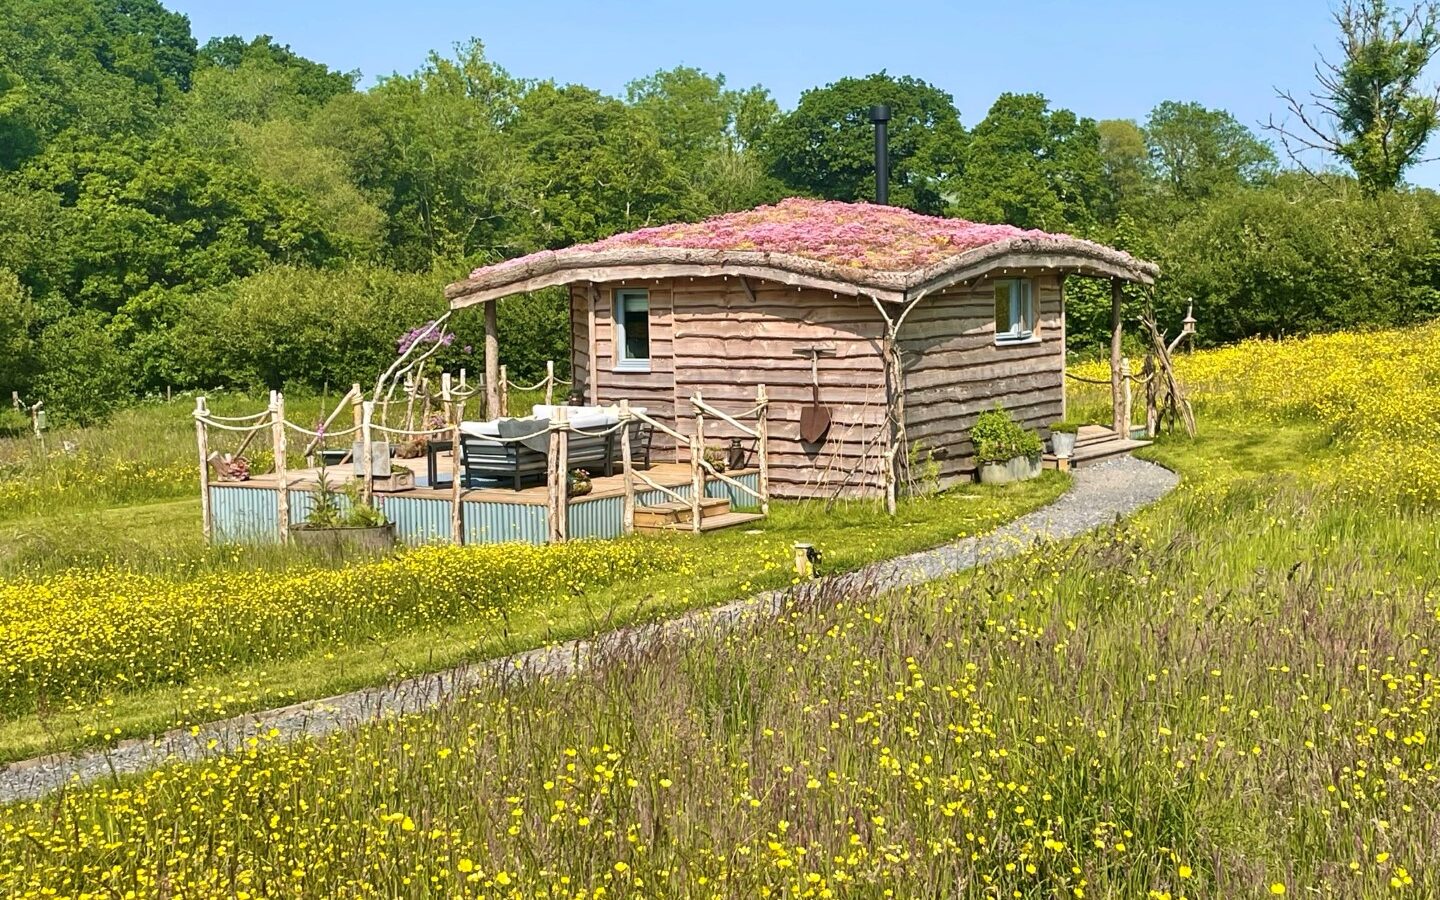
762	428
504	391
549	382
367	449
1127	409
627	509
452	417
697	452
202	444
280	448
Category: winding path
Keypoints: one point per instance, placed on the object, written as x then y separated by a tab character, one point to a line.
1097	496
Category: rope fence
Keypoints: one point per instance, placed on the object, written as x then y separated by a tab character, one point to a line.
557	430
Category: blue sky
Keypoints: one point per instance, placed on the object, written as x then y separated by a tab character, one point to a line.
1102	59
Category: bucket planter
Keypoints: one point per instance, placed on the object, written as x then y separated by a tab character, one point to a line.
1062	439
1019	468
345	538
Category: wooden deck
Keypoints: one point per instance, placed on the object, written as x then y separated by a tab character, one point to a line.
671	475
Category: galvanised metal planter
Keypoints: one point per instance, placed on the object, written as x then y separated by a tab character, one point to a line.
1020	468
335	541
1062	443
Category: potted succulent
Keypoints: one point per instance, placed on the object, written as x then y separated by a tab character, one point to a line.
1062	439
718	458
579	483
342	520
1005	450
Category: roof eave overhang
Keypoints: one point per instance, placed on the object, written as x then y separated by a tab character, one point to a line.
1066	255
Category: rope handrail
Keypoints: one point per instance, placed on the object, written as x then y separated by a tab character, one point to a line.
1131	377
224	427
250	418
339	432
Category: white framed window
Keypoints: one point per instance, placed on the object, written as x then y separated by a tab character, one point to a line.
1014	310
632	330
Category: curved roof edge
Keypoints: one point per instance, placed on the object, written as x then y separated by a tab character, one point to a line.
553	268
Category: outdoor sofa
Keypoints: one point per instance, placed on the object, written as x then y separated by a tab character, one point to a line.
484	460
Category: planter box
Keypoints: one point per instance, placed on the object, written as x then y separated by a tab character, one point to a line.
1063	443
370	539
1021	468
395	482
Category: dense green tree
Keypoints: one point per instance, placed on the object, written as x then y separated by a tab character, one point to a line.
64	68
314	81
1031	166
18	320
1370	108
86	373
430	150
825	147
1125	169
1283	261
595	167
1199	152
711	132
167	34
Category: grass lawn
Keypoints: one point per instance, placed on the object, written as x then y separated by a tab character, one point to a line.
720	566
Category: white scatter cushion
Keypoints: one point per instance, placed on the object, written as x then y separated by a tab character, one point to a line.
481	429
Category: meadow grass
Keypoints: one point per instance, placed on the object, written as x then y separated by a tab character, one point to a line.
115	650
1232	694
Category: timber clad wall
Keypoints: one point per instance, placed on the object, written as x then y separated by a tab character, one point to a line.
708	335
954	370
726	344
713	336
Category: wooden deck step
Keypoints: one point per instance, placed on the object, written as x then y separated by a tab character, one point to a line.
714	523
1097	451
675	512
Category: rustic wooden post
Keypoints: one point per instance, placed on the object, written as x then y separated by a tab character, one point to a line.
452	418
367	449
627	509
699	470
492	361
762	430
282	480
504	391
697	483
549	382
1128	415
1152	396
592	346
891	501
1117	331
202	445
552	484
356	401
562	457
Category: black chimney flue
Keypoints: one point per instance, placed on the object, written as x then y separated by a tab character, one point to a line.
880	114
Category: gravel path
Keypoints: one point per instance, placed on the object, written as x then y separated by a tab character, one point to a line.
1098	496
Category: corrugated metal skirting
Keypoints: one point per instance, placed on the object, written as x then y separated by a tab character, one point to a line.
494	523
599	518
244	515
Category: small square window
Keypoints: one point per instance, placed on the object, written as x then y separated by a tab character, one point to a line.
1014	310
632	330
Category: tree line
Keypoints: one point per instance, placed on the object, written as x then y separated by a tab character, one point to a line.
233	214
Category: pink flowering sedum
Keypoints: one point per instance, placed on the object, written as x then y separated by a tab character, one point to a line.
862	235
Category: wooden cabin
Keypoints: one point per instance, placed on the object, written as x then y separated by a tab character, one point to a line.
905	327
